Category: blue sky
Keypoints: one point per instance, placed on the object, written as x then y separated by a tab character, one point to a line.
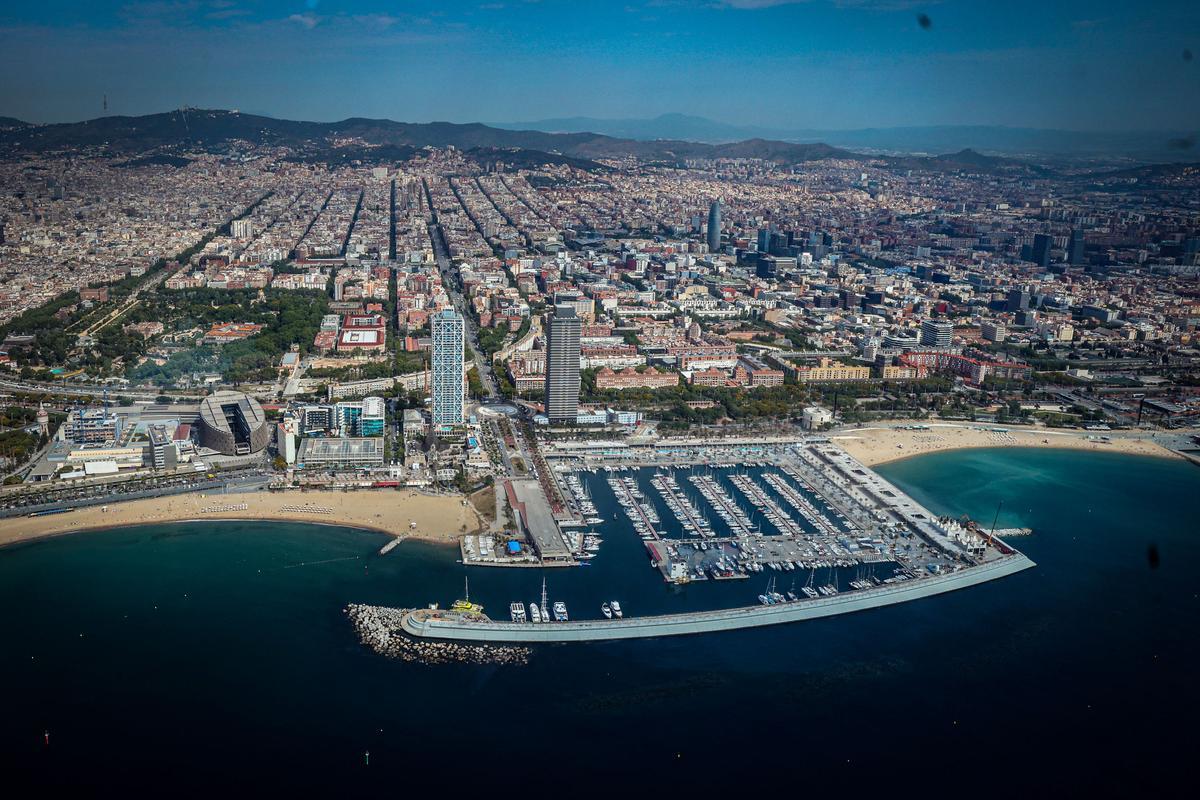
1098	65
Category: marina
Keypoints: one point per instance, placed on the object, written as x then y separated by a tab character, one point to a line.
808	507
849	539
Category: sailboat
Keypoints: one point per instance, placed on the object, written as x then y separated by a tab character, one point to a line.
807	588
767	598
465	605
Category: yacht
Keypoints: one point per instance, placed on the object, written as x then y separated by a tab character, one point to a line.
517	612
560	611
606	609
535	614
616	609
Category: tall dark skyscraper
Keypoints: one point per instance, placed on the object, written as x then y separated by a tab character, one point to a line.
562	364
764	240
1041	250
1075	248
1018	300
714	226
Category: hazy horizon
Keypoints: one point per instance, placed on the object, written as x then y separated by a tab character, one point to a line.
507	124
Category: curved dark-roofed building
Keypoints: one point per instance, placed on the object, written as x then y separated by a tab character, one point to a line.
233	423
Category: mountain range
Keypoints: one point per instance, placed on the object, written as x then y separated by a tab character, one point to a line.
176	133
919	140
213	128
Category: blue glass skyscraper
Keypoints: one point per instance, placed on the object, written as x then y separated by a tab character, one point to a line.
714	226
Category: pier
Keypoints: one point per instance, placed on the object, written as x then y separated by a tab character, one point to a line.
727	509
800	502
685	511
770	509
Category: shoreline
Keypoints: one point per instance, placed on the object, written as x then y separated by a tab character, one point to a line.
876	445
444	519
440	519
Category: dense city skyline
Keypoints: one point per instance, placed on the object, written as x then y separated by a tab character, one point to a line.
818	64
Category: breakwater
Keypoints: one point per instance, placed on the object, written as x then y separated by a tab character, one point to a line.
430	624
380	629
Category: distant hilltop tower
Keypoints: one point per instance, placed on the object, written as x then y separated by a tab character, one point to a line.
43	420
714	226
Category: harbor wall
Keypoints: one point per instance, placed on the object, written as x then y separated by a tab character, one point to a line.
710	621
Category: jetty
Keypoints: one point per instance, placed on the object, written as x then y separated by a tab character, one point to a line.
442	625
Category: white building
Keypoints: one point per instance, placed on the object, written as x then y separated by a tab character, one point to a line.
937	333
816	416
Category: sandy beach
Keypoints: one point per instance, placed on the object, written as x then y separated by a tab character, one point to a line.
877	445
442	518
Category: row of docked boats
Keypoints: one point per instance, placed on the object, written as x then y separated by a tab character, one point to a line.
539	612
585	546
830	514
641	514
583	501
774	514
729	511
690	519
772	596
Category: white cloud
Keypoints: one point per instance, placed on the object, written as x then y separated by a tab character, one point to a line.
309	21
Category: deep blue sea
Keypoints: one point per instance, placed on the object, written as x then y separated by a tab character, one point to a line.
216	657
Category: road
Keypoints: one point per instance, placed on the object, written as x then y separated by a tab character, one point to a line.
27	499
129	303
450	280
91	390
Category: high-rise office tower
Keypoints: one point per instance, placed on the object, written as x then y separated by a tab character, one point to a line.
764	240
447	371
1191	249
714	226
1041	250
562	364
1075	248
1018	300
937	333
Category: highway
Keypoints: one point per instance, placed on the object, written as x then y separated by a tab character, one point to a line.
90	390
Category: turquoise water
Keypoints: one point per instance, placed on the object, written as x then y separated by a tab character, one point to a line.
217	656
